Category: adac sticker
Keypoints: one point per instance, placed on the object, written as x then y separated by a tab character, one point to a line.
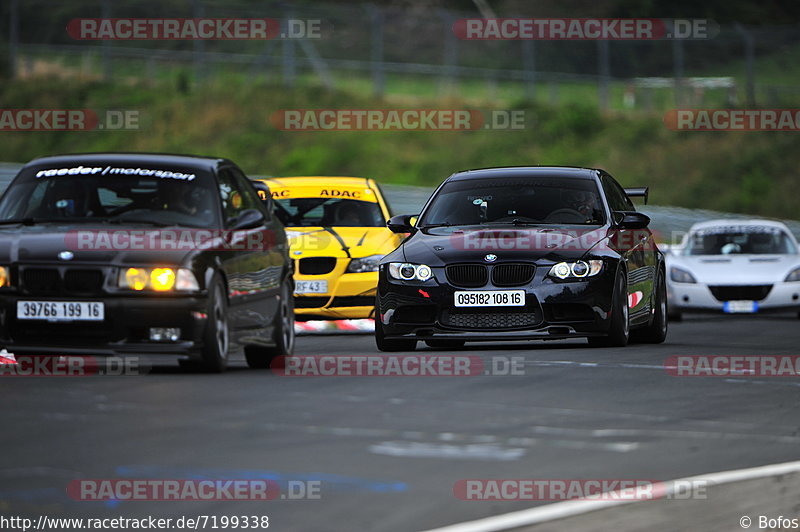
339	193
236	200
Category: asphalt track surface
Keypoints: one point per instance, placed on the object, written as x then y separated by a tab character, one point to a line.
388	450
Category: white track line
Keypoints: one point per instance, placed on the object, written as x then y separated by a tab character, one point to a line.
560	510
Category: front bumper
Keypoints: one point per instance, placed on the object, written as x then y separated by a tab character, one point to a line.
553	310
349	296
699	297
123	331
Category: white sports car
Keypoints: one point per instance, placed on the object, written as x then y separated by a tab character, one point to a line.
734	266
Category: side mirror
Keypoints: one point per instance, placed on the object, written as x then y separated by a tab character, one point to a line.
631	219
249	219
402	223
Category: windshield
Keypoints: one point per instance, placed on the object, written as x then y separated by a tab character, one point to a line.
329	212
753	241
532	200
40	196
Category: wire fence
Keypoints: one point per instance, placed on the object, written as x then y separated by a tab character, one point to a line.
387	50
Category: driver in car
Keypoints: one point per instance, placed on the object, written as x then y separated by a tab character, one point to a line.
582	201
186	199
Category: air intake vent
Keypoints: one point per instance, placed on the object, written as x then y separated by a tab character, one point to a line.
41	280
83	281
317	265
736	293
467	275
512	274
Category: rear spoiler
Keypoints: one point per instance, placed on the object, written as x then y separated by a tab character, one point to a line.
639	192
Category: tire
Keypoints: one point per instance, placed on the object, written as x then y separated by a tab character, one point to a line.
656	331
259	357
217	335
392	345
619	330
445	344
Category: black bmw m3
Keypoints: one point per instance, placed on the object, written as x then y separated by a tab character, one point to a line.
140	254
523	253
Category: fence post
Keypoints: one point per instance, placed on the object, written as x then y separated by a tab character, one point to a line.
678	70
289	62
552	93
106	45
604	72
376	17
529	66
749	52
450	57
13	38
198	45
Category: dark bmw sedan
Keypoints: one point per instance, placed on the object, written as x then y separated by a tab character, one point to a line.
142	254
523	253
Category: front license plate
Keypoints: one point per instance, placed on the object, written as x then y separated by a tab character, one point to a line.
311	287
490	298
740	307
60	310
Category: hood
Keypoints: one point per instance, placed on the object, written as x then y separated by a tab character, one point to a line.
736	269
340	242
43	243
468	244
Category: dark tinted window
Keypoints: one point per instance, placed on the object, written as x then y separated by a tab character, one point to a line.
539	200
126	192
329	212
250	199
231	196
617	199
755	240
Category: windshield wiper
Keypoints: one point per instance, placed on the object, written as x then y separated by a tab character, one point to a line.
515	221
443	224
23	221
122	220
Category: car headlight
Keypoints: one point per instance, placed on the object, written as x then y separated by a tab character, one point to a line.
681	276
365	264
405	271
159	279
576	270
793	277
5	277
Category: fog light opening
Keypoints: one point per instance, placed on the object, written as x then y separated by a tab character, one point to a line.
685	299
164	334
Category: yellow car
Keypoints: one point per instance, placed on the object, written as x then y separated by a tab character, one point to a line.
337	233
